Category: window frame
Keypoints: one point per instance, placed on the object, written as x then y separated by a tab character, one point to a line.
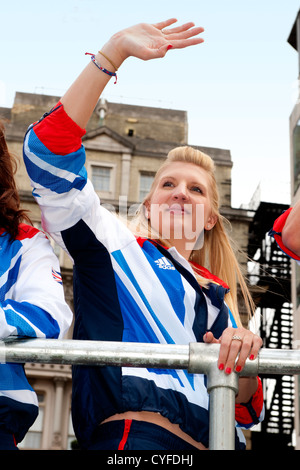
110	194
141	174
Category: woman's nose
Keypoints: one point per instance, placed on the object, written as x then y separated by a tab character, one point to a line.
180	192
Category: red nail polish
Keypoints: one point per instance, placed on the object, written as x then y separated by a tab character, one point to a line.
228	370
221	366
169	47
238	368
251	357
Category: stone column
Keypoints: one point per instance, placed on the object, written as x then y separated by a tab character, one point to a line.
58	410
125	176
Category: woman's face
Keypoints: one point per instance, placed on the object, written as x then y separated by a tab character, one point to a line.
180	206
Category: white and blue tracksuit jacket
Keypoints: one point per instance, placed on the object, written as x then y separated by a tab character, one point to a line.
125	289
31	305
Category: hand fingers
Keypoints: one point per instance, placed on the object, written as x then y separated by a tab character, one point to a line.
256	346
180	36
237	349
178	29
225	360
209	338
234	352
249	349
164	24
180	44
150	41
173	35
184	38
161	51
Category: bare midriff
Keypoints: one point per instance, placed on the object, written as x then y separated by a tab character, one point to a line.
159	420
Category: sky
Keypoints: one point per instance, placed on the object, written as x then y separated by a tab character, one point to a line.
238	87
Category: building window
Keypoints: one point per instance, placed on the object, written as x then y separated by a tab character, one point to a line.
146	180
33	438
296	156
101	178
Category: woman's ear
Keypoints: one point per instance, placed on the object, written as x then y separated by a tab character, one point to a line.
147	209
211	222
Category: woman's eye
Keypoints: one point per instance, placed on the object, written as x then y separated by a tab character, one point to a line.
167	184
197	189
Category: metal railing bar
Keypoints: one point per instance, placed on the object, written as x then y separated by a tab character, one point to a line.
194	357
81	352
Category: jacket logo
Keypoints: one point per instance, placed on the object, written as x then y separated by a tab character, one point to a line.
56	276
164	263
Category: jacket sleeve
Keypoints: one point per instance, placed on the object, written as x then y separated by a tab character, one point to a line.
251	413
34	305
276	233
55	161
54	158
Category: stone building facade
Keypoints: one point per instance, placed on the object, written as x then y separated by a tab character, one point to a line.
125	145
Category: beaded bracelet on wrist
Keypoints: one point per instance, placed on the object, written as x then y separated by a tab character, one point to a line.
93	59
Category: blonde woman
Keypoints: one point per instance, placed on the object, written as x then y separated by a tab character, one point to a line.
146	285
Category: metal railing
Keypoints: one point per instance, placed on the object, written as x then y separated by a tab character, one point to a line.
196	358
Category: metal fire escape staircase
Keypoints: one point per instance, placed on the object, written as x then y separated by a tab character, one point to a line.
271	288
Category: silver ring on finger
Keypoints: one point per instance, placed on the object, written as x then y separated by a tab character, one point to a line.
237	337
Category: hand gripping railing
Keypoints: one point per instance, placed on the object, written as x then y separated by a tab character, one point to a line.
197	358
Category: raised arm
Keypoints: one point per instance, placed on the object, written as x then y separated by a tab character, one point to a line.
143	41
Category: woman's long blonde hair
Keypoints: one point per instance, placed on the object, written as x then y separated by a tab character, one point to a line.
216	254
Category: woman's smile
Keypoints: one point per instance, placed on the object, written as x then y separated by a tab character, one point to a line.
178	209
